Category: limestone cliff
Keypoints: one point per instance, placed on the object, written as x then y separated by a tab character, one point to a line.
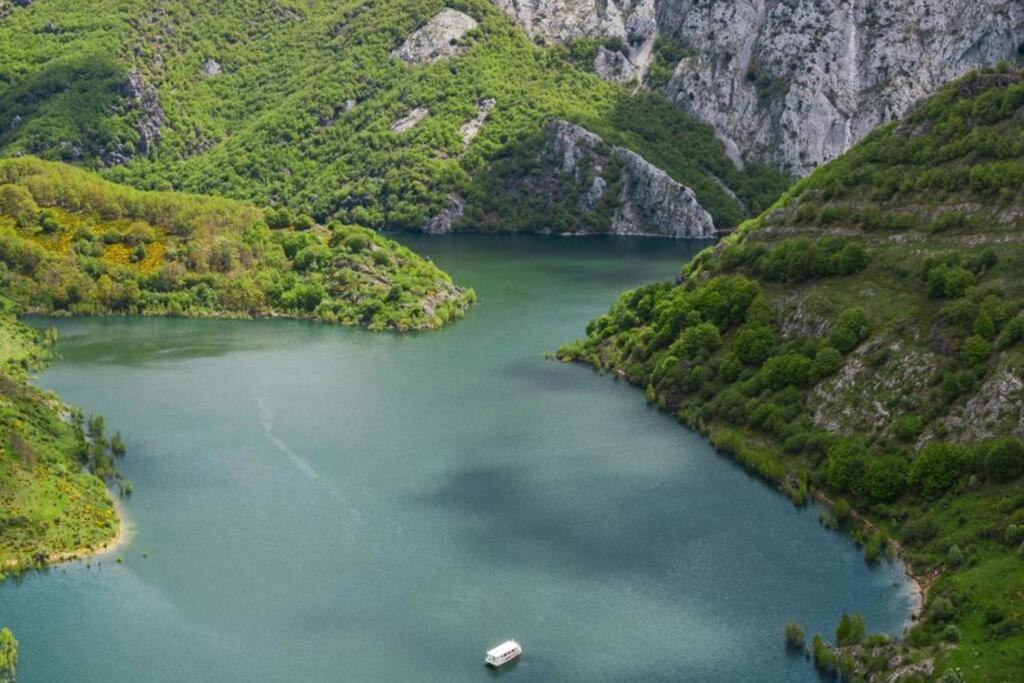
615	190
794	82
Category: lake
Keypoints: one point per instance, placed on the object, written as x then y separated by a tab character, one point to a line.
323	503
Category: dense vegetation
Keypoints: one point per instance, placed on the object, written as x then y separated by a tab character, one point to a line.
52	467
291	104
71	242
863	342
8	656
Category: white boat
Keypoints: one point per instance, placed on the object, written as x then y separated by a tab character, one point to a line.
503	654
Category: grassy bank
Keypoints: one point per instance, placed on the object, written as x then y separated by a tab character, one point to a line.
52	480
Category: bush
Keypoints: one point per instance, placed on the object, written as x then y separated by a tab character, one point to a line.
824	658
850	330
908	427
1004	459
917	532
795	639
755	343
851	630
975	350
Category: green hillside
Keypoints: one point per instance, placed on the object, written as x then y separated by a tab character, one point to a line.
71	242
50	505
862	341
292	103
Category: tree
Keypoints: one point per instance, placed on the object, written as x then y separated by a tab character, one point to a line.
16	201
8	656
850	330
1004	459
937	468
845	464
884	478
755	343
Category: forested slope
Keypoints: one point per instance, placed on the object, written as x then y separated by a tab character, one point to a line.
71	242
864	340
330	108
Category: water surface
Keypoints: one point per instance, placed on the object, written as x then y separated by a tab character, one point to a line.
321	503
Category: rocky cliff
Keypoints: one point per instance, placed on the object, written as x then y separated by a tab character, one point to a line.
611	190
794	82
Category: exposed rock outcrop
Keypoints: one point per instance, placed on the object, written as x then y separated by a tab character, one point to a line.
211	67
796	82
648	201
140	97
614	66
438	38
410	120
444	221
472	128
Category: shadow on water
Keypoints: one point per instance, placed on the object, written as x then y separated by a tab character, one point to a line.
154	341
527	520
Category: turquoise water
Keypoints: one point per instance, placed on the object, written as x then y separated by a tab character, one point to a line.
321	503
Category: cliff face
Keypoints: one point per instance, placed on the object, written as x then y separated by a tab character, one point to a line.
618	191
796	82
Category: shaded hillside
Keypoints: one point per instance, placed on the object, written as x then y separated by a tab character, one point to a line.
382	114
864	340
71	242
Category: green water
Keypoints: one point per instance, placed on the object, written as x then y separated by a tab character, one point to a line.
320	503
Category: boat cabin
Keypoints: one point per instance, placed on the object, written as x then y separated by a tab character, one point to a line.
503	654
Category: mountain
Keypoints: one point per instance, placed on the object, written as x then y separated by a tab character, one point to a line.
73	243
389	114
790	82
863	342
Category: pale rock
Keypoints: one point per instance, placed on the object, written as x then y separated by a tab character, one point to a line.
410	120
211	68
796	82
444	221
472	128
437	39
614	66
649	202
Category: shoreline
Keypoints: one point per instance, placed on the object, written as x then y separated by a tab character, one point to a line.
121	538
919	583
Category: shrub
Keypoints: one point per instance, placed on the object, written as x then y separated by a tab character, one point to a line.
917	532
851	630
824	658
1004	459
795	639
908	427
850	330
975	350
